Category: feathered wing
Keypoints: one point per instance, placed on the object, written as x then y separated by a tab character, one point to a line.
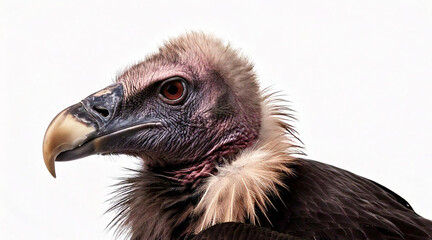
325	202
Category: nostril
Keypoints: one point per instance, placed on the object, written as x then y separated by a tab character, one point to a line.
101	110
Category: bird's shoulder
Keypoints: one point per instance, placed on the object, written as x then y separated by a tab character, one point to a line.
325	202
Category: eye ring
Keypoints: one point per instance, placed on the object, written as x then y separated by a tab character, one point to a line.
173	90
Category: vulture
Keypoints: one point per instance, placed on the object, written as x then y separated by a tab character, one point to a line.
219	157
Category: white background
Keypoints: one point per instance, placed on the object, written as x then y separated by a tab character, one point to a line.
358	74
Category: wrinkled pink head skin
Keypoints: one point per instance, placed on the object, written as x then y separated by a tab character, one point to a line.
219	117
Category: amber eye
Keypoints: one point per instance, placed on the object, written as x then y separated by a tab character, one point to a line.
173	90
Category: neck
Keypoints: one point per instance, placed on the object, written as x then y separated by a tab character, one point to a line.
240	191
192	175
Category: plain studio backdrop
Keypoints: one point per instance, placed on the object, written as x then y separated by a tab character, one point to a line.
358	74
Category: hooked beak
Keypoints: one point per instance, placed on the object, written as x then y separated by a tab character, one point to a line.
89	127
66	132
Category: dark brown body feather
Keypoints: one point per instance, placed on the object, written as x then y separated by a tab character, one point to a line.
325	202
241	231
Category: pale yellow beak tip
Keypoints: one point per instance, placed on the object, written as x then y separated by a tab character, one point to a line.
49	161
51	168
64	133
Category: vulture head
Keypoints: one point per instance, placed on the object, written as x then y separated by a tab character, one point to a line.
213	146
